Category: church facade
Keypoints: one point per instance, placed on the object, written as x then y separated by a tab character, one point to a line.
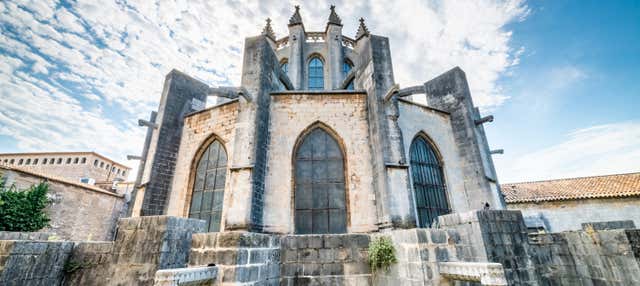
319	138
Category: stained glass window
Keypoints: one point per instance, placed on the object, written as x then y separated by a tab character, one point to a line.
208	187
428	182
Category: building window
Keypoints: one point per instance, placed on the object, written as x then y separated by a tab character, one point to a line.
28	162
20	161
118	172
68	160
35	161
284	65
84	160
113	169
52	161
208	190
346	68
316	74
76	160
12	161
95	163
428	182
44	161
107	167
319	195
59	161
101	164
123	172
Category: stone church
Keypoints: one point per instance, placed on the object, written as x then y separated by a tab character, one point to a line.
318	138
289	178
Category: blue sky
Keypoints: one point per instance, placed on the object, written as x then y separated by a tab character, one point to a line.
561	77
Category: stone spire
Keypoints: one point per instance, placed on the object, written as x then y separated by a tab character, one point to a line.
268	31
333	17
362	30
295	18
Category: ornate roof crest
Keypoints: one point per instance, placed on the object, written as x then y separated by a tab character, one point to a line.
268	31
295	18
333	17
362	30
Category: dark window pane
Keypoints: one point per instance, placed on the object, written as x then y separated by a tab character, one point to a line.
336	196
218	198
304	197
320	221
303	222
210	180
303	172
337	220
320	196
221	175
196	199
207	201
335	171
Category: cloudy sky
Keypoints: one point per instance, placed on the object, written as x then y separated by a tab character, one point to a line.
561	78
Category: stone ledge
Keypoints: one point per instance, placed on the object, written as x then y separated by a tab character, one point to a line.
186	276
484	272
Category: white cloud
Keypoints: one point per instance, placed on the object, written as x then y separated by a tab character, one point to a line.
597	150
95	56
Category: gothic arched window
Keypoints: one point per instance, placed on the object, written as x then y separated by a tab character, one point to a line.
346	68
208	187
284	65
316	74
428	182
320	197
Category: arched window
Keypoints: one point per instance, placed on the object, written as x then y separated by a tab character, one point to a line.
428	182
320	195
208	187
284	65
316	74
346	68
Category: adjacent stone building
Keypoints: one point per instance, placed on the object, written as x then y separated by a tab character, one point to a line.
568	204
319	138
87	167
77	211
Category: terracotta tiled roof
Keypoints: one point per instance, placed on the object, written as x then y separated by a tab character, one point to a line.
610	186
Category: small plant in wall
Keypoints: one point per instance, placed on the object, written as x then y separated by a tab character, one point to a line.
381	253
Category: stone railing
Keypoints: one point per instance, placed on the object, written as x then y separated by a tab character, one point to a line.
186	276
282	43
315	37
348	42
484	272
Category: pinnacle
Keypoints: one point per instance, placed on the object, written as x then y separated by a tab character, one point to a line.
295	18
333	17
362	30
268	31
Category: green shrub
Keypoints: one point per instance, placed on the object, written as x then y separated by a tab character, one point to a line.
23	210
381	253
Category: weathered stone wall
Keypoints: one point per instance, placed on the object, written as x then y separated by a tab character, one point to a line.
450	92
345	114
89	263
332	259
495	236
415	119
32	262
77	211
607	257
241	257
418	252
570	214
142	246
200	129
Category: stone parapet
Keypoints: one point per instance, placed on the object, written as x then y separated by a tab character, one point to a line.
33	262
485	273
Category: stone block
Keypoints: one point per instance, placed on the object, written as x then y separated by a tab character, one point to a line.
352	268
